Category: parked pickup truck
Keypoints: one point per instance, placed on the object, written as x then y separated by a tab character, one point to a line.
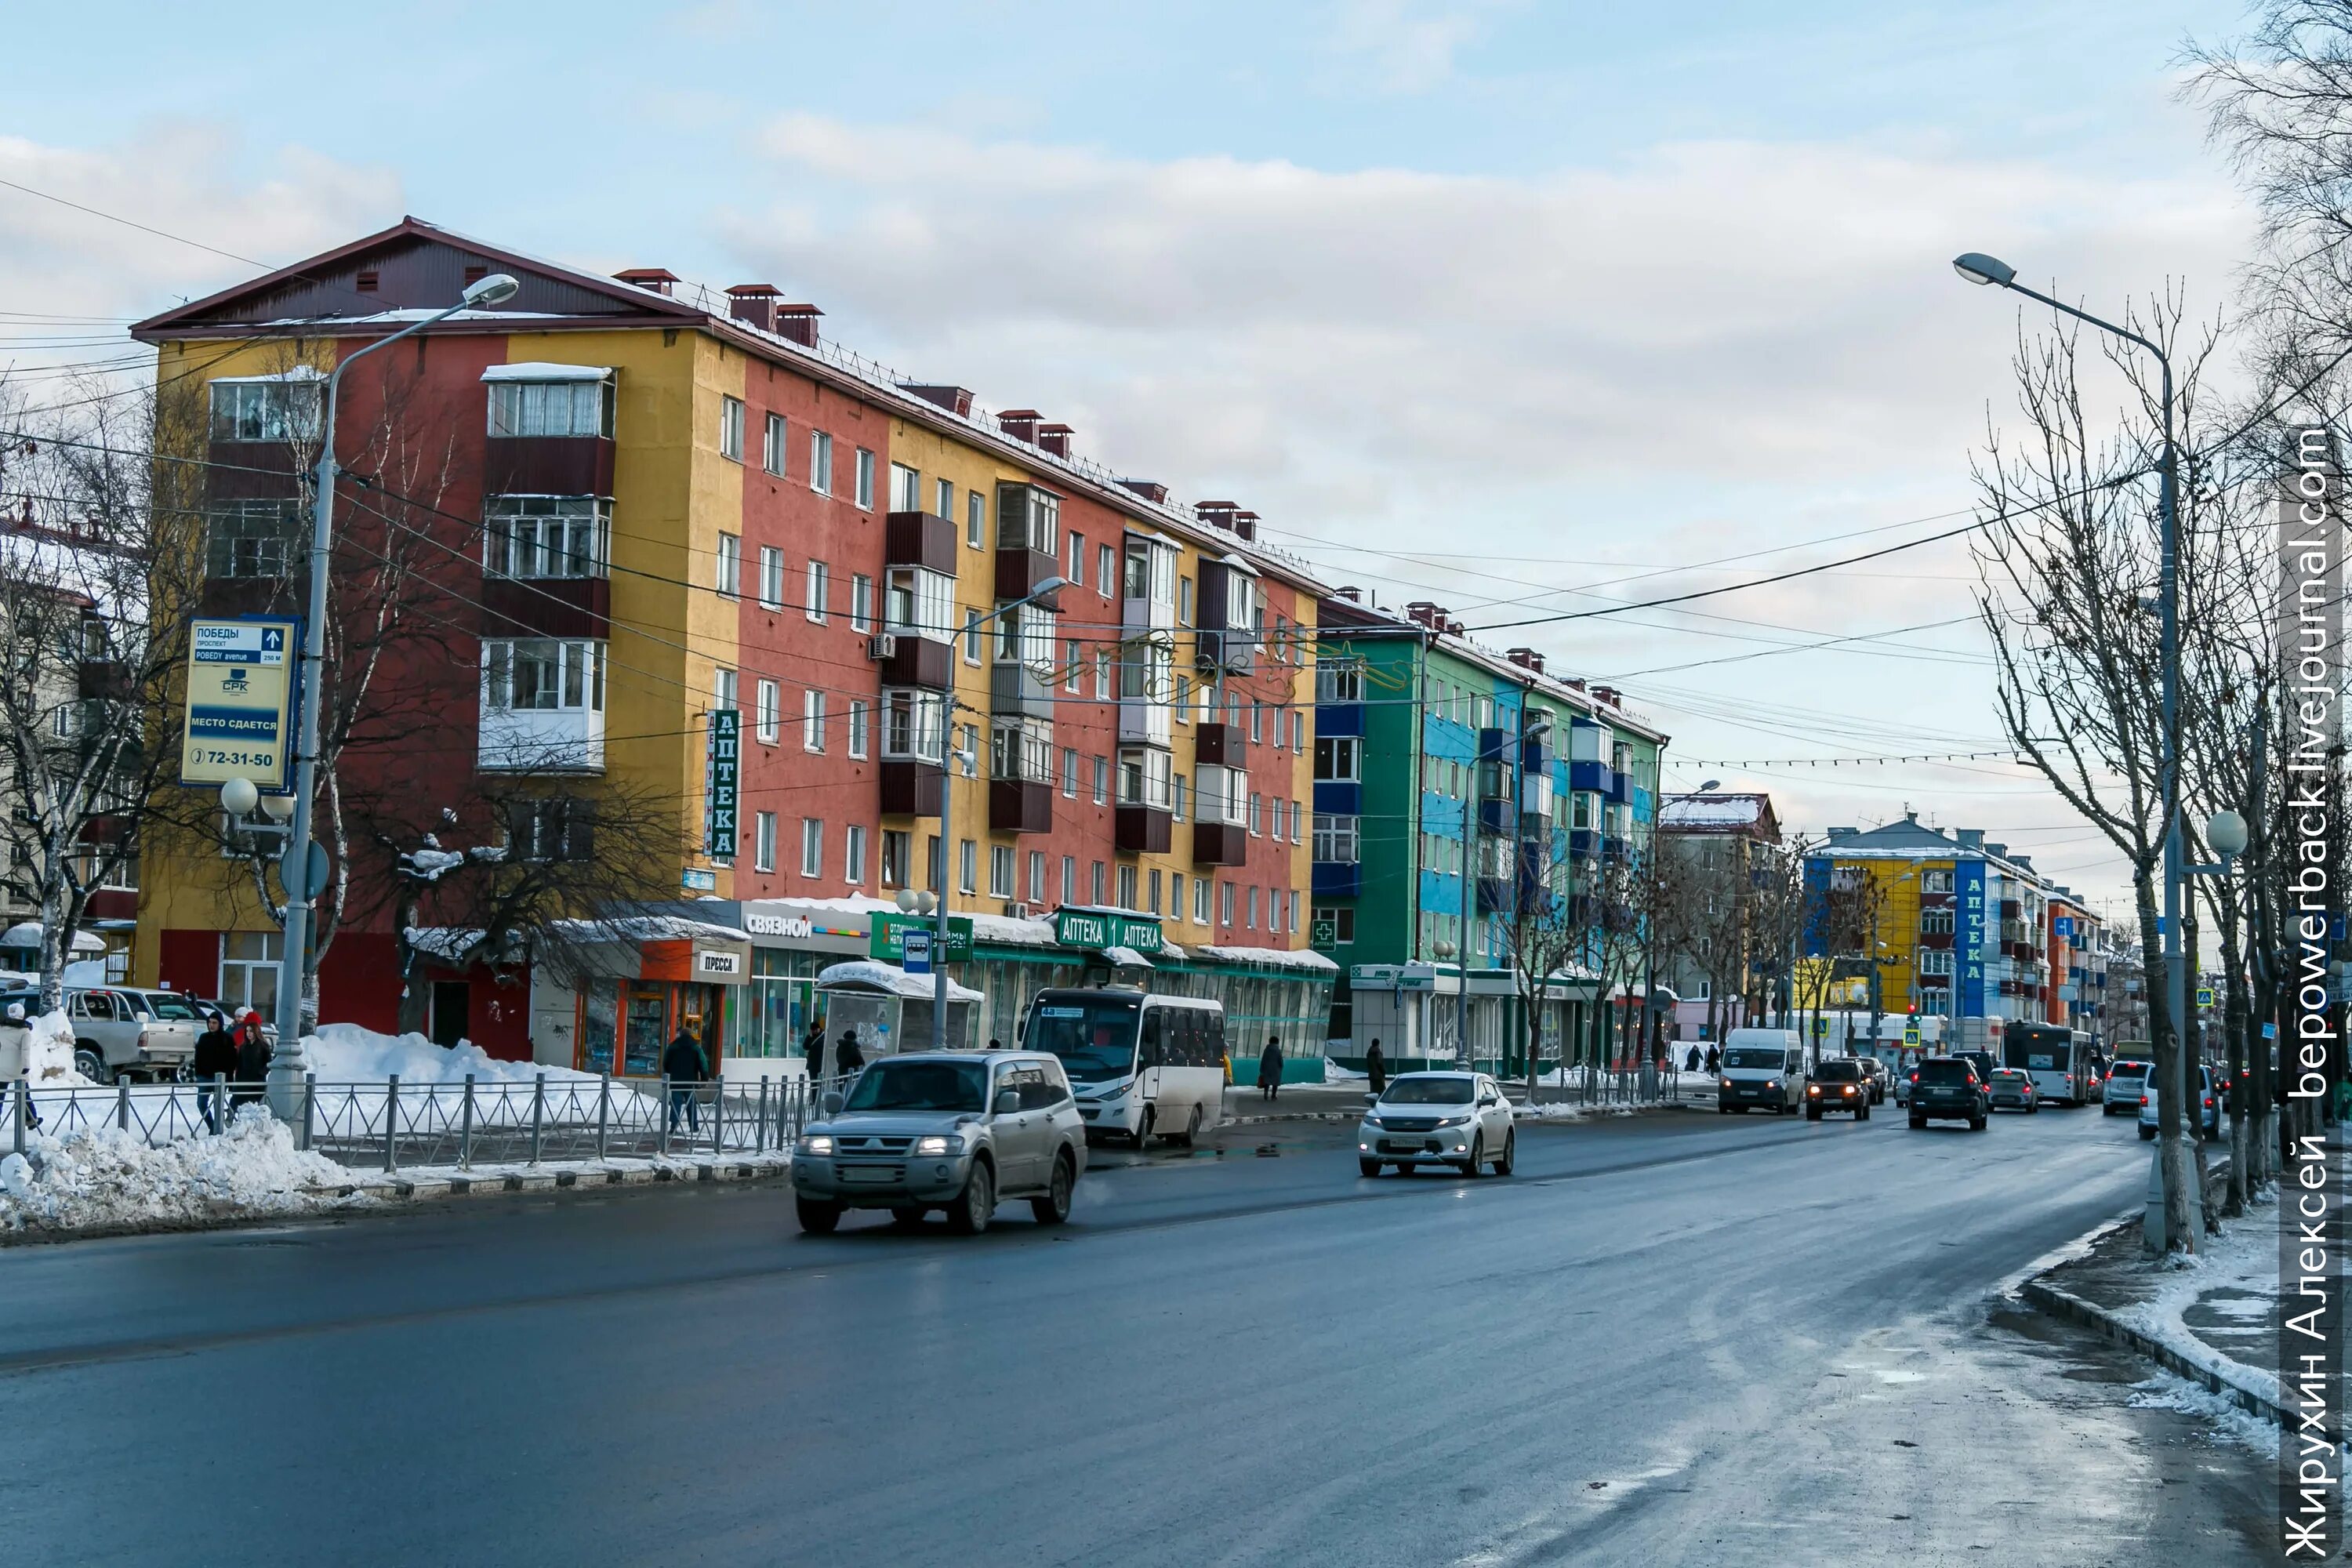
130	1033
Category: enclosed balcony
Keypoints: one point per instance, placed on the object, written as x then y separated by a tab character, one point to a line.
1028	539
919	539
1020	805
1220	844
910	788
1218	743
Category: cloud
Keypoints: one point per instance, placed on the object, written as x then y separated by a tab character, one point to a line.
1401	46
94	276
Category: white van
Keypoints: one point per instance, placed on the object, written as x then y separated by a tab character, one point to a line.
1761	1068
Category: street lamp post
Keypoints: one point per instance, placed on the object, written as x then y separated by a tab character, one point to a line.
948	757
287	1061
1979	268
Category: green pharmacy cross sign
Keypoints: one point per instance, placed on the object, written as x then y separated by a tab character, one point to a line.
1099	929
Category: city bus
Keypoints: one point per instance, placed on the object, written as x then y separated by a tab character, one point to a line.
1140	1066
2058	1059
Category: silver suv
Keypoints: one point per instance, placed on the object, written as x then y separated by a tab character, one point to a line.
960	1131
2121	1091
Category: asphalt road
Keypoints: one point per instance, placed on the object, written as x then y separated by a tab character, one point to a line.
1672	1338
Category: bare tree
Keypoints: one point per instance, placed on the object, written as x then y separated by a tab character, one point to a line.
1541	940
95	587
2068	564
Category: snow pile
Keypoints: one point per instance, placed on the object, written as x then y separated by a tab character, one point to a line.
2166	1392
101	1178
1334	1073
2242	1259
50	1054
346	1053
1553	1110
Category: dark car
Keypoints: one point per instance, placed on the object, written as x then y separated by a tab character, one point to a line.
1947	1088
1882	1078
1985	1063
1838	1083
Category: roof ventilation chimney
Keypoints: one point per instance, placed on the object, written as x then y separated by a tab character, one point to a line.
1021	424
1149	489
956	400
654	280
1353	595
1245	524
1055	438
1605	695
797	323
1216	513
754	304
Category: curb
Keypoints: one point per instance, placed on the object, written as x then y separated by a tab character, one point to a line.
495	1183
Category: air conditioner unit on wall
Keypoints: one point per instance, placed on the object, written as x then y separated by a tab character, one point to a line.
1017	911
881	645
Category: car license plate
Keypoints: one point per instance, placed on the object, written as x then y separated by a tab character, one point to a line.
869	1172
1401	1145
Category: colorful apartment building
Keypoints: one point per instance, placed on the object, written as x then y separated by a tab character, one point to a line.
622	505
1453	783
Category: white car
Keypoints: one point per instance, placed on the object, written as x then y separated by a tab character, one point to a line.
1457	1119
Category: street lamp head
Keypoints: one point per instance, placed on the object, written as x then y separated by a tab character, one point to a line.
907	898
2227	833
496	289
930	902
1710	783
277	807
238	797
1979	268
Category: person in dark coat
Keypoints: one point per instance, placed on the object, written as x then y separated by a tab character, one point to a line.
1714	1059
685	1066
1269	1069
1690	1063
215	1057
814	1049
1377	1067
847	1053
252	1060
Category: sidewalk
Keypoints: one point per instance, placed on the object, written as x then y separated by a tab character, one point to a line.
2212	1318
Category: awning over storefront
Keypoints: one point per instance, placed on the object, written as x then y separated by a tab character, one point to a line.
872	975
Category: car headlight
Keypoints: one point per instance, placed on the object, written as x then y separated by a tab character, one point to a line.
1461	1121
1774	1084
816	1144
936	1145
1374	1122
1726	1083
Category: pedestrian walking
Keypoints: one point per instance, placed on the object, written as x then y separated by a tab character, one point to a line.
215	1058
1714	1059
252	1061
1269	1069
1691	1063
814	1047
845	1052
1376	1065
686	1066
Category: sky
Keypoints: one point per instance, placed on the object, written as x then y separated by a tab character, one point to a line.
1525	309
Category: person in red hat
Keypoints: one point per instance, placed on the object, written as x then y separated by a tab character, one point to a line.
252	1059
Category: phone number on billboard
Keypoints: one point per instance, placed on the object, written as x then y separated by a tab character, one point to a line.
233	759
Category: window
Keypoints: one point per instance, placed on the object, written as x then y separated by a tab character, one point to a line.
1183	601
1151	900
1220	796
1144	777
1176	795
1101	884
1257	721
905	489
865	479
1069	878
1104	664
723	689
1339	759
975	520
545	536
1037	876
812	847
1074	664
1253	909
273	408
1935	961
1337	840
919	603
852	856
946	494
250	963
861	603
1341	918
820	578
731	427
914	724
1936	922
1201	900
731	564
968	750
772	578
771	450
1183	699
763	841
1106	570
1224	903
582	407
1077	559
1070	772
770	719
1256	819
551	829
1126	887
971	636
812	720
541	675
898	850
967	867
1175	895
1102	780
860	724
1935	881
251	539
820	462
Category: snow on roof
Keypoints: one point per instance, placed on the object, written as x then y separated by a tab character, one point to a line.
1712	810
647	928
1270	957
1127	957
27	934
873	973
545	370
